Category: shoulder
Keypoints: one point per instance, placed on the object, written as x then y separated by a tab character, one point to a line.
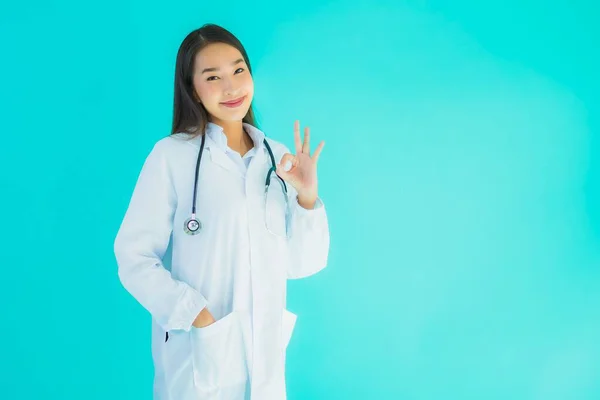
167	152
177	141
173	145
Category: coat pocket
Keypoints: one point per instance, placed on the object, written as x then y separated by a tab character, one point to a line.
276	208
219	359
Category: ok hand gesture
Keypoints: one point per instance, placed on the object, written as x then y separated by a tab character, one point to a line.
300	170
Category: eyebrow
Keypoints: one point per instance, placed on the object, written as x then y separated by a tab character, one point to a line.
216	69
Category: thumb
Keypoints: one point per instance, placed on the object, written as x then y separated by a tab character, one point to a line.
287	162
285	175
285	166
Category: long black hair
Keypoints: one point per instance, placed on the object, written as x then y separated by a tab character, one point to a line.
189	115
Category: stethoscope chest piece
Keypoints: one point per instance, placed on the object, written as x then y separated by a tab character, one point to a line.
192	226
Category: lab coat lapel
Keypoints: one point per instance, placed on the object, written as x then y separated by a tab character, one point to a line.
257	169
218	157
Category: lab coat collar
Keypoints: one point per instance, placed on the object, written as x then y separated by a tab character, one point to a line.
216	144
215	132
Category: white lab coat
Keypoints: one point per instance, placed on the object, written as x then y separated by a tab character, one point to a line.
235	267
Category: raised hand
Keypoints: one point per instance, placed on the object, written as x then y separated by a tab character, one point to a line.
300	170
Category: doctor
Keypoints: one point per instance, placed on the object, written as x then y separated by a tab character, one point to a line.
220	217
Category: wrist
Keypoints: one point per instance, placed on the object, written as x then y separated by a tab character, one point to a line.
307	200
202	319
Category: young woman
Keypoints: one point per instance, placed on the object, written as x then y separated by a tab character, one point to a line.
219	219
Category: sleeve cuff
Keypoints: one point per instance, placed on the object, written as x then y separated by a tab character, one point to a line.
304	211
191	307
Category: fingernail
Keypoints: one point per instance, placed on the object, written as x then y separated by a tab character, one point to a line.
287	166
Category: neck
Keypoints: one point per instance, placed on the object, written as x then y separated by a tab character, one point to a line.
237	138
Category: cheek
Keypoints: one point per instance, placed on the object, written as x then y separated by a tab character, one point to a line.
208	93
248	85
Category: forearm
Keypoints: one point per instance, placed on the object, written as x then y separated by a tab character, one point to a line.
309	239
172	303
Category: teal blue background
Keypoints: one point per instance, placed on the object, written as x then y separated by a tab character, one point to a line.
461	175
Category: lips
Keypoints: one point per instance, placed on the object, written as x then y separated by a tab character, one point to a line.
234	103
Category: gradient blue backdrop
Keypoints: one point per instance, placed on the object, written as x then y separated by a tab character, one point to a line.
461	175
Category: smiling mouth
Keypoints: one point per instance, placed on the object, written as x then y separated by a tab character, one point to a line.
234	103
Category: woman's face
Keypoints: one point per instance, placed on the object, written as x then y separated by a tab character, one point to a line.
221	75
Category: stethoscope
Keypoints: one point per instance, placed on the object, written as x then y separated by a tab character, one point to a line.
192	225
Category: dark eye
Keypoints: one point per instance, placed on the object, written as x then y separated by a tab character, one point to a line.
210	78
239	69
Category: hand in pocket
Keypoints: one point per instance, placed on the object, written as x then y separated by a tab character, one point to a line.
204	319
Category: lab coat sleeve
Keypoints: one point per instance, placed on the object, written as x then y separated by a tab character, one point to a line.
141	242
309	238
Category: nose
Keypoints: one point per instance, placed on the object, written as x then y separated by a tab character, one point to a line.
228	86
